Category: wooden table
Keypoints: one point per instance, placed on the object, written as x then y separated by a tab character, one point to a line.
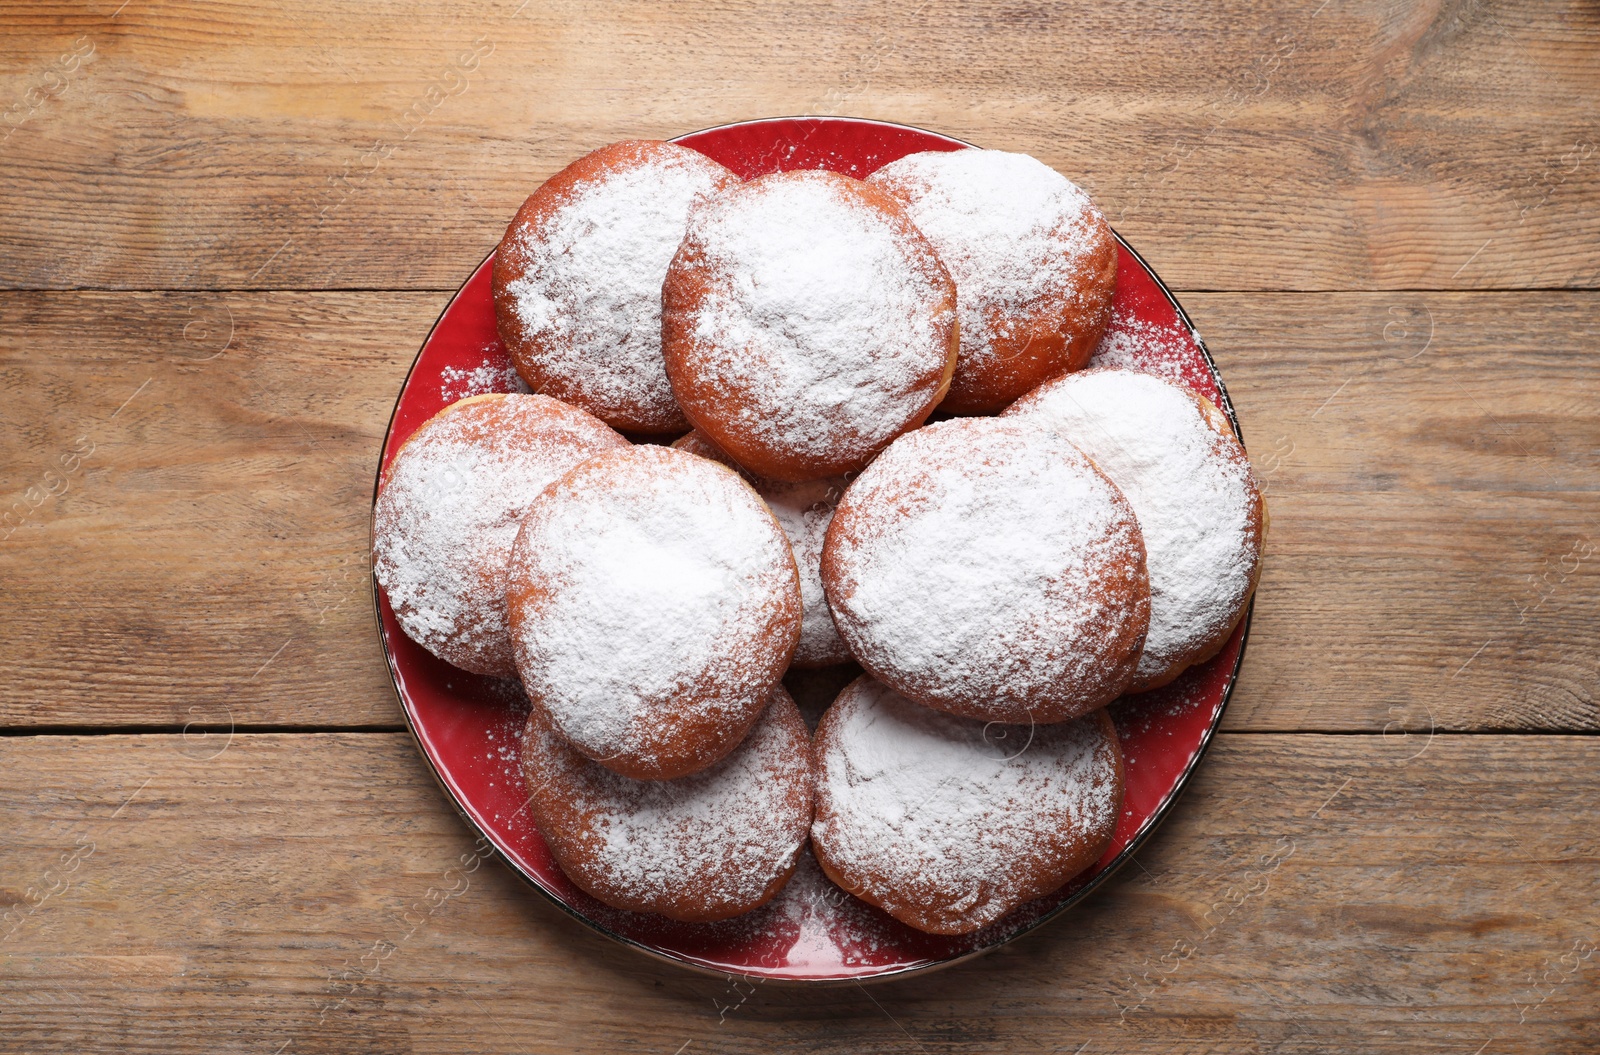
225	229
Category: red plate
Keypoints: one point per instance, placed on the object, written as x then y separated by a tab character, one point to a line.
467	726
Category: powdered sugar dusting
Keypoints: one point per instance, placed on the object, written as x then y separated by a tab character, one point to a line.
662	578
950	818
985	560
722	836
822	327
822	924
1014	233
494	374
448	514
805	510
1138	715
589	299
1191	488
1132	343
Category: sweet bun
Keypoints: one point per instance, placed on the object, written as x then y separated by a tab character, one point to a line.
985	567
806	323
1034	263
947	824
699	444
577	279
654	604
804	510
698	848
1174	456
448	512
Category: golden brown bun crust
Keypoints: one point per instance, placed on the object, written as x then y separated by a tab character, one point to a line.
531	352
754	809
697	444
1045	344
920	878
744	430
1045	339
445	579
667	713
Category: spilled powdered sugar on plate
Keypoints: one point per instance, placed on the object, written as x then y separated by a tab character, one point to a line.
820	329
943	813
1136	344
661	579
1137	715
589	299
1191	488
494	374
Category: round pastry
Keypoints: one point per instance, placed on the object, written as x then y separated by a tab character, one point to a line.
806	323
804	510
1034	263
448	513
577	279
654	604
1175	457
947	824
703	847
985	567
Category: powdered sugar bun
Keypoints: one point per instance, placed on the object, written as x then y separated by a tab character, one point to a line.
654	604
448	513
947	824
985	567
703	847
577	279
699	444
806	323
1186	476
1033	260
804	510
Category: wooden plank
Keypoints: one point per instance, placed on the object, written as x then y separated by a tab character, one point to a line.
1429	563
208	560
1311	893
314	145
1431	465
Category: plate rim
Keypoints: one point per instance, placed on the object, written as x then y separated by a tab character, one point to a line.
1140	838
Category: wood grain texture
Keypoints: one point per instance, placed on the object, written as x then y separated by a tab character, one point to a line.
1431	468
1430	561
1271	144
1311	894
187	476
208	561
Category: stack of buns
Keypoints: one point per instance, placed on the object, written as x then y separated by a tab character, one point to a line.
728	471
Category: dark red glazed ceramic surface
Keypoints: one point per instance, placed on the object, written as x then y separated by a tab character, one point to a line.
468	726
